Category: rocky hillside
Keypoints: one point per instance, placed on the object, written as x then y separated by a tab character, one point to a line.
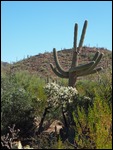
40	64
5	67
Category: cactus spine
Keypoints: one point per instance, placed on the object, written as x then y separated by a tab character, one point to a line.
76	70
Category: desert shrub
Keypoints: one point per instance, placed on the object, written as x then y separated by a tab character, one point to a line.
23	96
16	104
62	145
93	119
66	97
101	84
59	95
91	112
86	87
34	85
104	88
31	83
94	129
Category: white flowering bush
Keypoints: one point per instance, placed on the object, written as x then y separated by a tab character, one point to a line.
59	95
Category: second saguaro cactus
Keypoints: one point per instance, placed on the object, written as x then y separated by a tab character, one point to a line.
76	70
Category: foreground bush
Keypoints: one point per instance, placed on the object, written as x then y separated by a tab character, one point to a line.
16	104
92	115
86	115
94	130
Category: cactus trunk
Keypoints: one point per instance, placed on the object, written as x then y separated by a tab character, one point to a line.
72	79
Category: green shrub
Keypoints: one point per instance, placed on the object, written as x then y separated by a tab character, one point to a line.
100	84
20	94
23	96
93	130
16	104
31	83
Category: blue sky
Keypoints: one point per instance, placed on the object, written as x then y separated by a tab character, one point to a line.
33	27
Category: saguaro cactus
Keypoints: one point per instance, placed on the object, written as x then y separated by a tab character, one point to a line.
76	70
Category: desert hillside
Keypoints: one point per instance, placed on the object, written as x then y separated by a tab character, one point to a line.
40	64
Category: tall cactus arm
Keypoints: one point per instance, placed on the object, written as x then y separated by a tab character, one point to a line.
57	73
75	54
59	68
91	72
82	67
75	36
75	50
96	61
96	56
83	35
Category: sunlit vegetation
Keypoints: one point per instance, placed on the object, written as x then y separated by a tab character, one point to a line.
23	98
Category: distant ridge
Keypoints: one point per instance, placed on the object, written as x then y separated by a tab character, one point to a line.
40	63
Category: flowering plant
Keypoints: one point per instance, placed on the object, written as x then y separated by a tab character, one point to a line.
59	95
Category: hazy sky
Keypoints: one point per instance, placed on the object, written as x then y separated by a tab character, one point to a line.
33	27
